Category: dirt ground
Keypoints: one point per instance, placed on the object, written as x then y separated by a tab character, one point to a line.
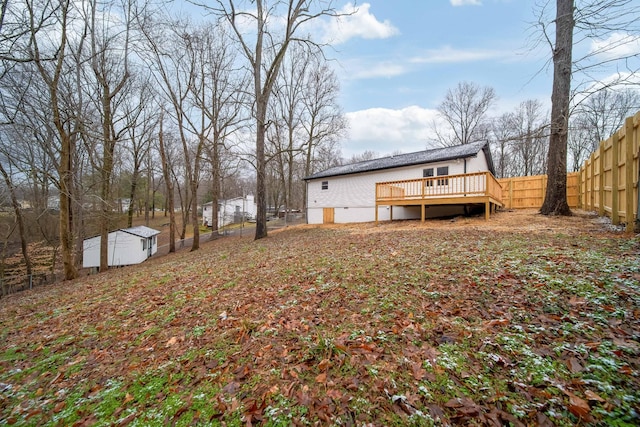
519	220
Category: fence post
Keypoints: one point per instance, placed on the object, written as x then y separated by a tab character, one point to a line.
580	189
592	200
628	193
615	203
601	180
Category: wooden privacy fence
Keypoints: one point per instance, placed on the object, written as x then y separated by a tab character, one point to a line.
607	182
528	191
609	177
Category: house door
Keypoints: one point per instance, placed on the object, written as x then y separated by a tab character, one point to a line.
328	215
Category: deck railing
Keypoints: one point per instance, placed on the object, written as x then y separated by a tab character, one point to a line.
478	184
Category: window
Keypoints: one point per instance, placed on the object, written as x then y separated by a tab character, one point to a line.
428	173
144	244
325	185
444	170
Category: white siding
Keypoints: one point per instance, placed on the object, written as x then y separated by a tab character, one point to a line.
228	208
353	196
124	249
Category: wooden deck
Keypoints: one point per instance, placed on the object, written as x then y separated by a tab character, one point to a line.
464	189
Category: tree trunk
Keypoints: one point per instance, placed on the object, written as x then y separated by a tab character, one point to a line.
66	218
195	245
215	191
19	219
261	187
168	184
132	195
555	201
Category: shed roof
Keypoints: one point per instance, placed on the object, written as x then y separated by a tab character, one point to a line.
141	231
410	159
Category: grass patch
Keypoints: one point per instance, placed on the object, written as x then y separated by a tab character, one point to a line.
345	325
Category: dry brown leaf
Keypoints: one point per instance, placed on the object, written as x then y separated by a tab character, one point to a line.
324	364
59	407
593	397
579	407
574	365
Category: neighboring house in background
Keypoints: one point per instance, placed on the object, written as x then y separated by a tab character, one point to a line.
127	246
230	211
431	183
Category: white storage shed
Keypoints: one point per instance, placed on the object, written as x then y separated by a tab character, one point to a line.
127	246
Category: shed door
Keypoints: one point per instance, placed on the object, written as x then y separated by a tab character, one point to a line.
327	215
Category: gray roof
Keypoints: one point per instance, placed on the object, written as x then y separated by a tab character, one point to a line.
141	231
410	159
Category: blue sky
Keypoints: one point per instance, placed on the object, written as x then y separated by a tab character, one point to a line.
397	59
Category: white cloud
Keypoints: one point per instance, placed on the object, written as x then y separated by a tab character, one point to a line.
449	55
466	3
616	46
357	21
385	130
365	70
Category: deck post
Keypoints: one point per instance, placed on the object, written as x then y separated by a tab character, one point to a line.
422	213
487	210
376	208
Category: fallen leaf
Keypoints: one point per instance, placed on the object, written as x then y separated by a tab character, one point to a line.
591	396
127	398
231	388
334	394
579	407
126	420
59	407
626	370
323	365
496	322
322	378
574	365
172	341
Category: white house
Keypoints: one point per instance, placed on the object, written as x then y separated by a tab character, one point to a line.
230	211
127	246
405	186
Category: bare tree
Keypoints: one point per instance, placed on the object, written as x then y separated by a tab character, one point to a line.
579	142
503	136
364	156
141	109
220	99
172	57
109	62
464	111
168	181
17	211
605	111
265	50
51	69
529	144
610	24
324	123
555	200
286	110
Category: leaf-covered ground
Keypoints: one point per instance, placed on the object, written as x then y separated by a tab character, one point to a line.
521	320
